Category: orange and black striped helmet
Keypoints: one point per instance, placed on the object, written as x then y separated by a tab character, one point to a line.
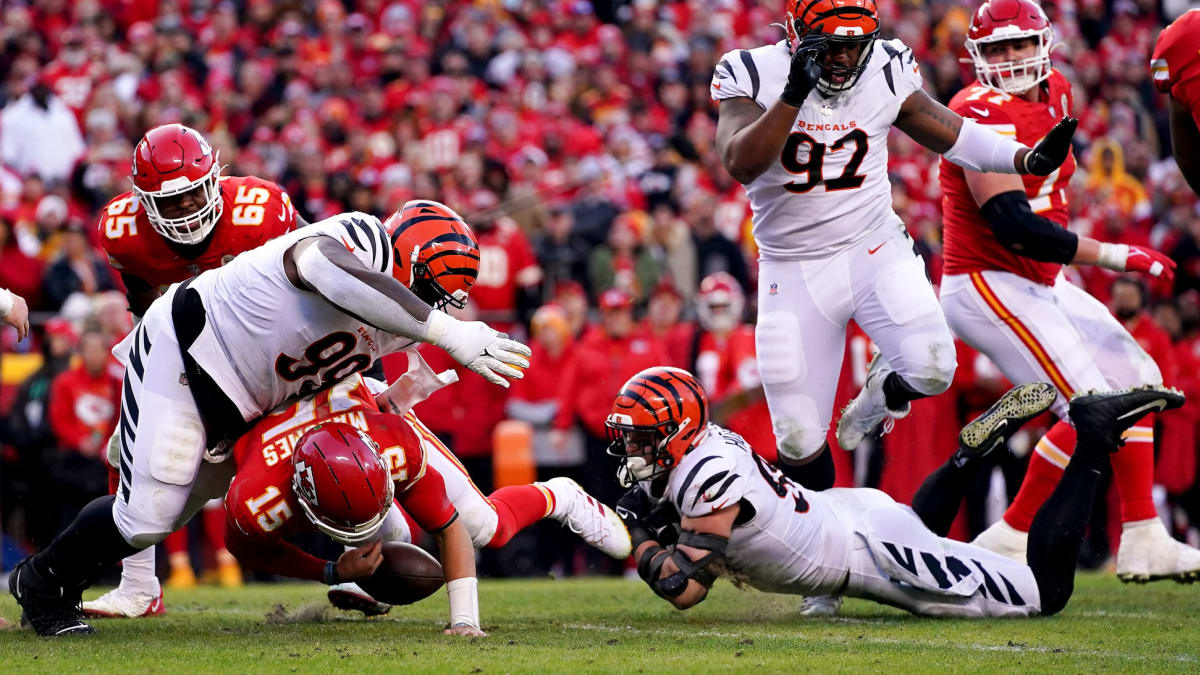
435	252
658	416
848	22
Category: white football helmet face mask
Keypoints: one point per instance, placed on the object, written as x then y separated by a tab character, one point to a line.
194	227
1013	77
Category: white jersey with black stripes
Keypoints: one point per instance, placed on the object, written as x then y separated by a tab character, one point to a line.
829	189
265	340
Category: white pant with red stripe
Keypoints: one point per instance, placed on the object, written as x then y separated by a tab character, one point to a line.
1033	332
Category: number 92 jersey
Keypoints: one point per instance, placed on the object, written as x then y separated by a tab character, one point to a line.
254	211
265	340
829	189
784	538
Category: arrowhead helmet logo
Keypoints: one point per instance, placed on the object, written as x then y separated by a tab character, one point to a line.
303	483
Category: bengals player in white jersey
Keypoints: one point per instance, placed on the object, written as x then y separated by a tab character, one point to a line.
181	217
1005	244
803	125
705	504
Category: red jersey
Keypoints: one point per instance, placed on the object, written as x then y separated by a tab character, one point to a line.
254	212
505	257
83	409
598	366
261	508
727	366
970	245
1175	64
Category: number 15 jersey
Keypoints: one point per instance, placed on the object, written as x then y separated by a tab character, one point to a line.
829	188
266	341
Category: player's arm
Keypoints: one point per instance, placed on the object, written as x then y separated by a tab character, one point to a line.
139	293
977	148
1003	204
1185	141
683	572
275	555
324	266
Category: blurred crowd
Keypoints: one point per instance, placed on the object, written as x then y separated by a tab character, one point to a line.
576	136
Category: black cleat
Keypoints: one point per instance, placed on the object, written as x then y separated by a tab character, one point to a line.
993	428
1108	414
350	597
51	609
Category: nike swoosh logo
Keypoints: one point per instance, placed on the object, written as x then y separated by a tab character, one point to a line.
282	215
871	251
624	512
347	244
716	85
1158	405
981	113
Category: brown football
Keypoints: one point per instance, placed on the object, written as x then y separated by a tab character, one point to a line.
406	575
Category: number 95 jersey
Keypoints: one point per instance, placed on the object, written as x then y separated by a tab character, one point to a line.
784	538
829	188
253	212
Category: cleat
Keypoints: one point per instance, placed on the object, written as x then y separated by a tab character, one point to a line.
597	524
1004	539
1148	553
350	597
52	610
229	574
993	428
815	606
1110	413
122	604
868	410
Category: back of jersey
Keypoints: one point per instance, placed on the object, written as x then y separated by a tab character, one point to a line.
266	340
790	540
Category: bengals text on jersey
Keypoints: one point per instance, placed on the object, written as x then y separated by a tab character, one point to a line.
255	211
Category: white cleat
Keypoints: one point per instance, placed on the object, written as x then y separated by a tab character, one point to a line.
350	597
868	410
1004	539
122	604
821	605
1148	553
597	524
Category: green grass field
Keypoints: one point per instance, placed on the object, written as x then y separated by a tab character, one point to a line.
612	625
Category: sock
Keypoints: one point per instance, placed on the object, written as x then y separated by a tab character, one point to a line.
177	542
937	501
518	507
1058	528
1133	471
1050	457
81	552
214	527
137	573
816	474
897	393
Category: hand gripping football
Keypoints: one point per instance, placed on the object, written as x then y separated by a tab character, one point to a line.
406	575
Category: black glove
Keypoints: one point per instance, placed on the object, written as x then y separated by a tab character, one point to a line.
806	68
648	519
1052	150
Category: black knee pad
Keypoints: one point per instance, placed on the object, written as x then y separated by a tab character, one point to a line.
817	474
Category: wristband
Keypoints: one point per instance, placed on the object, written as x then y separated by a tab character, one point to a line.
464	601
330	577
6	302
1113	256
437	326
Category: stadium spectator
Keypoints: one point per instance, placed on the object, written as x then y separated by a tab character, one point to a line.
623	262
40	135
77	270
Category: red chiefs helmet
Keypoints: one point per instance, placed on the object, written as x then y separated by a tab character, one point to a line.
849	22
343	485
435	252
658	416
1001	20
172	160
720	302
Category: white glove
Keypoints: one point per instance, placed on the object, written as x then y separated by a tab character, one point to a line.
478	347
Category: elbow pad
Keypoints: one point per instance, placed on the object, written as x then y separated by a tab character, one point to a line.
1025	233
983	150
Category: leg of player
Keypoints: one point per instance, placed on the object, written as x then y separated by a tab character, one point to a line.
897	308
938	499
1058	529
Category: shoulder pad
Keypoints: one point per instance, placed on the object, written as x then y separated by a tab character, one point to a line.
707	481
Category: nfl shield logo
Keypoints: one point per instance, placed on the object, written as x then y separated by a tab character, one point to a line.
774	289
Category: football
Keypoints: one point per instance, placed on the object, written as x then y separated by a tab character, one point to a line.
406	575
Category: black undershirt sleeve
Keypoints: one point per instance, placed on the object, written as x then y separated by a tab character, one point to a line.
1025	233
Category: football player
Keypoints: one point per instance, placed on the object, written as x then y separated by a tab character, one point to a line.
1175	67
803	125
181	217
337	460
1002	292
740	515
216	352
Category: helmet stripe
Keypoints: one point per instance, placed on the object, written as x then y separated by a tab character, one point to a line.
464	271
442	254
694	387
665	383
415	221
450	236
629	393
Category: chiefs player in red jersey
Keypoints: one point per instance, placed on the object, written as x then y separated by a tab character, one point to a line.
336	459
181	218
1003	294
1176	70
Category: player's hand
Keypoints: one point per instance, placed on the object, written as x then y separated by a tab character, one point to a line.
465	631
480	348
1051	151
498	358
805	69
18	316
1150	261
631	508
361	562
